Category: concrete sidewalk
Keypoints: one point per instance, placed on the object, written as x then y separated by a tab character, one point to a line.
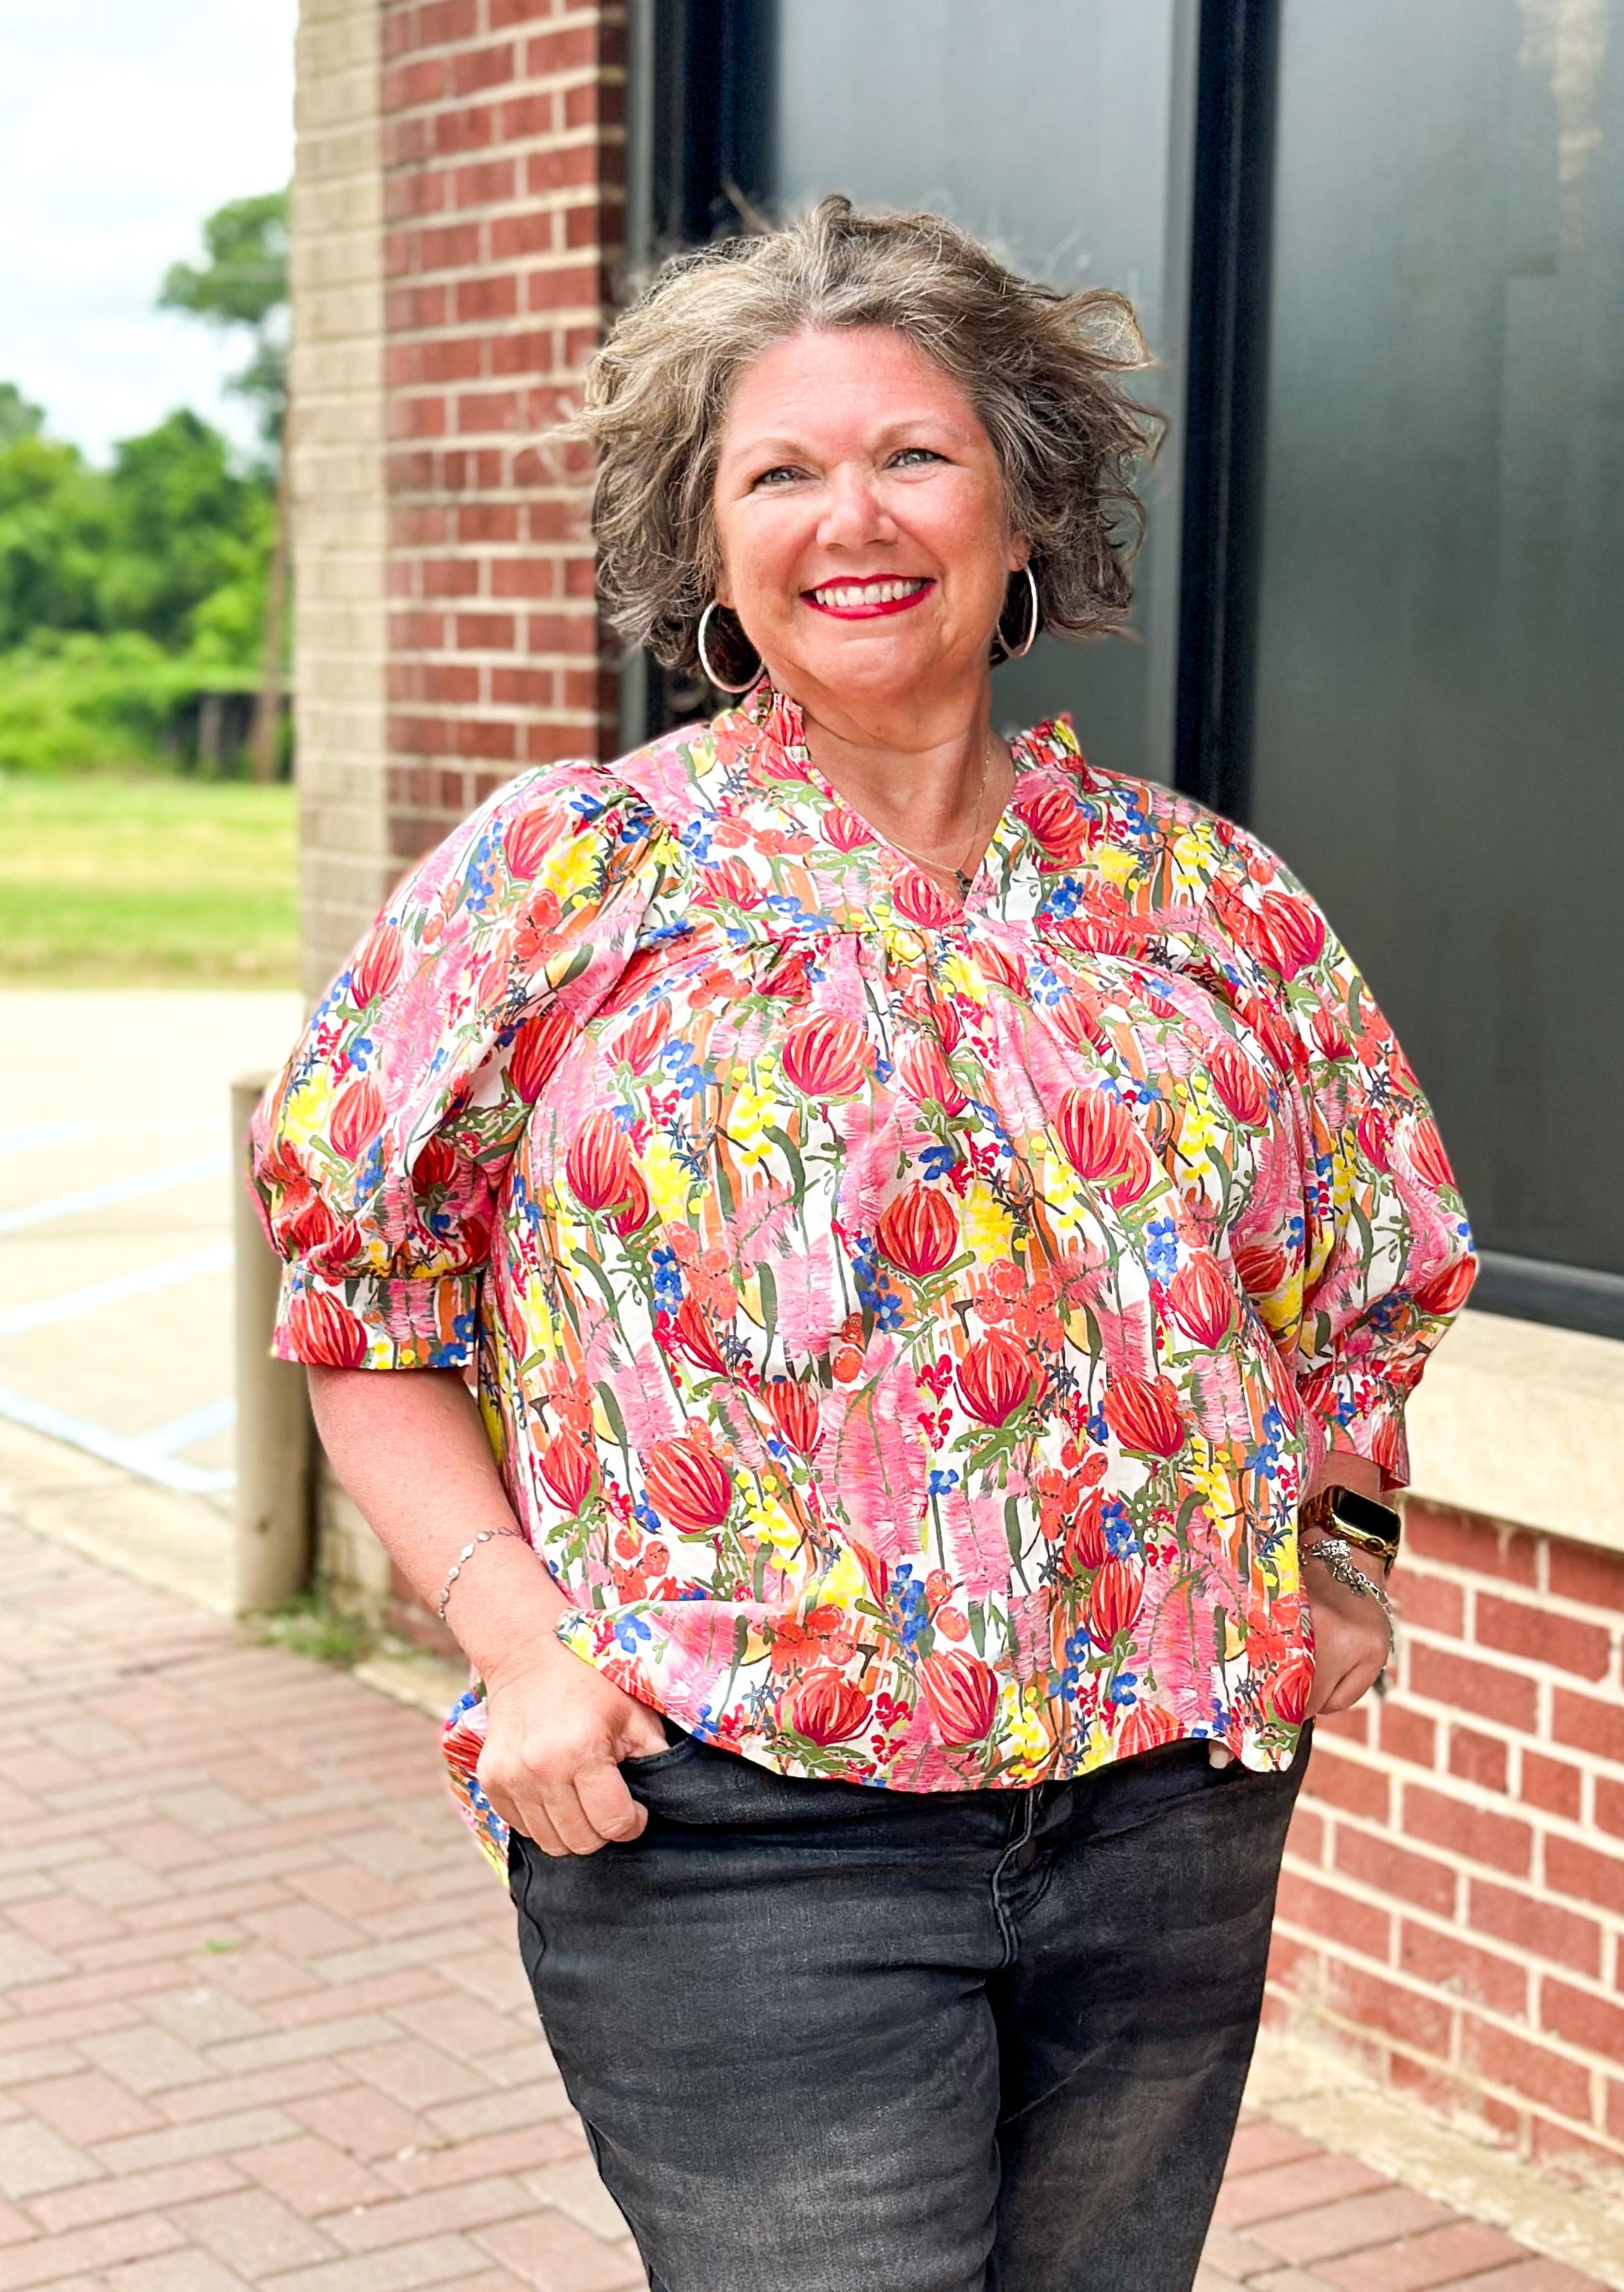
262	2022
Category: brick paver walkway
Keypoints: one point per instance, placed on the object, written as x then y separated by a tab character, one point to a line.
261	2020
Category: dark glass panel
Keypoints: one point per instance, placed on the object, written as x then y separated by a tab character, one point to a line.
1439	735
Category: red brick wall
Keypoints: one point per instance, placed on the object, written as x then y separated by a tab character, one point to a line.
503	171
1453	1899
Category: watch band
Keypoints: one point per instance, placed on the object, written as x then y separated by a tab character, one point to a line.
1371	1527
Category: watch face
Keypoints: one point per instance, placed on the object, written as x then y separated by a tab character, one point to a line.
1371	1517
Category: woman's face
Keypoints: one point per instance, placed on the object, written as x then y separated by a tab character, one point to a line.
859	510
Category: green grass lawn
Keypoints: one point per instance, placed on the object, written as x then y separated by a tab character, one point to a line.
155	882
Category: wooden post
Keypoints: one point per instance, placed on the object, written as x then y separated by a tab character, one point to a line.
275	1442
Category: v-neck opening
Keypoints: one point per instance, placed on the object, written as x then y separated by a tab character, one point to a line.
777	718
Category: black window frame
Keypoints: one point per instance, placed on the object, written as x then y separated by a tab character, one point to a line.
699	163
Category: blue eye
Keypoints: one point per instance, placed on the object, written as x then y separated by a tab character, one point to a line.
784	473
916	454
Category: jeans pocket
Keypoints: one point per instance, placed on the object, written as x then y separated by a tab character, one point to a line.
678	1746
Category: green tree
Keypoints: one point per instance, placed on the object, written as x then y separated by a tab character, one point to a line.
18	418
242	281
55	526
184	524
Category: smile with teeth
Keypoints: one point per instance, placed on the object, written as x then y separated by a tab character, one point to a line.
865	597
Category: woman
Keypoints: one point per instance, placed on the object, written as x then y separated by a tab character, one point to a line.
925	1216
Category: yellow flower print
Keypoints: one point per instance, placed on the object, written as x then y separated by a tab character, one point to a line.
1021	1729
749	1111
985	1225
668	1182
571	867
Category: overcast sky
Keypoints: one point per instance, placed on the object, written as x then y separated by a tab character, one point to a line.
122	124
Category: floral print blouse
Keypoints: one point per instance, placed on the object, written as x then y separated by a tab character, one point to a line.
905	1333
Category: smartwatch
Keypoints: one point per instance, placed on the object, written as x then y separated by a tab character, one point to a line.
1369	1527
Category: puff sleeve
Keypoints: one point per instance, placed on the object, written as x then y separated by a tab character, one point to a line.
379	1154
1358	1253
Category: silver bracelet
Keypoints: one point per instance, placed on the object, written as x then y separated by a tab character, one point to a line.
485	1536
1334	1551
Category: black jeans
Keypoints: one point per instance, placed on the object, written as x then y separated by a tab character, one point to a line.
832	2039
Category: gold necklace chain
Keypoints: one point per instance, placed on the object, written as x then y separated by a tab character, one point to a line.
966	883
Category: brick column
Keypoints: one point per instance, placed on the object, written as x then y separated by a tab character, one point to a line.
503	160
336	474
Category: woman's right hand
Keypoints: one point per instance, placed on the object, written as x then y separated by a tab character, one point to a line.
556	1733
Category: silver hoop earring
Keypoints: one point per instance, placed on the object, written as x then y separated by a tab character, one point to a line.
720	684
1019	652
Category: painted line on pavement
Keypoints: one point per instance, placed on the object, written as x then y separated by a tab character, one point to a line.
197	1425
72	1303
37	1135
112	1447
114	1189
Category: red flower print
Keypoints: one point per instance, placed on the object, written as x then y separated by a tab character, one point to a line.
795	1412
1202	1300
377	965
1261	1267
1114	1601
527	840
1055	820
730	880
632	1215
537	1049
824	1708
1096	1132
688	1485
460	1747
915	899
999	966
844	830
826	1058
567	1470
1283	1045
1086	1545
1329	1035
1097	929
309	1226
926	1077
994	1379
435	1165
1426	1157
1125	1190
1079	1021
1143	1413
1292	1687
643	1038
598	1165
326	1333
1296	931
1447	1291
918	1231
962	1694
1374	1131
691	1336
1239	1085
355	1119
1147	1726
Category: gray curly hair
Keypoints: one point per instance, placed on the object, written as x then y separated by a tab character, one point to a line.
1043	369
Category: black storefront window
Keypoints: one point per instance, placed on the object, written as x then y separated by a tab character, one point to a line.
1379	252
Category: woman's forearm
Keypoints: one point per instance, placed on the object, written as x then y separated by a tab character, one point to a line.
410	1447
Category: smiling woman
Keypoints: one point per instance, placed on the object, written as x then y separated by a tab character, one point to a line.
925	1217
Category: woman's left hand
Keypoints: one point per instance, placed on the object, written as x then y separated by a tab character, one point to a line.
1352	1643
